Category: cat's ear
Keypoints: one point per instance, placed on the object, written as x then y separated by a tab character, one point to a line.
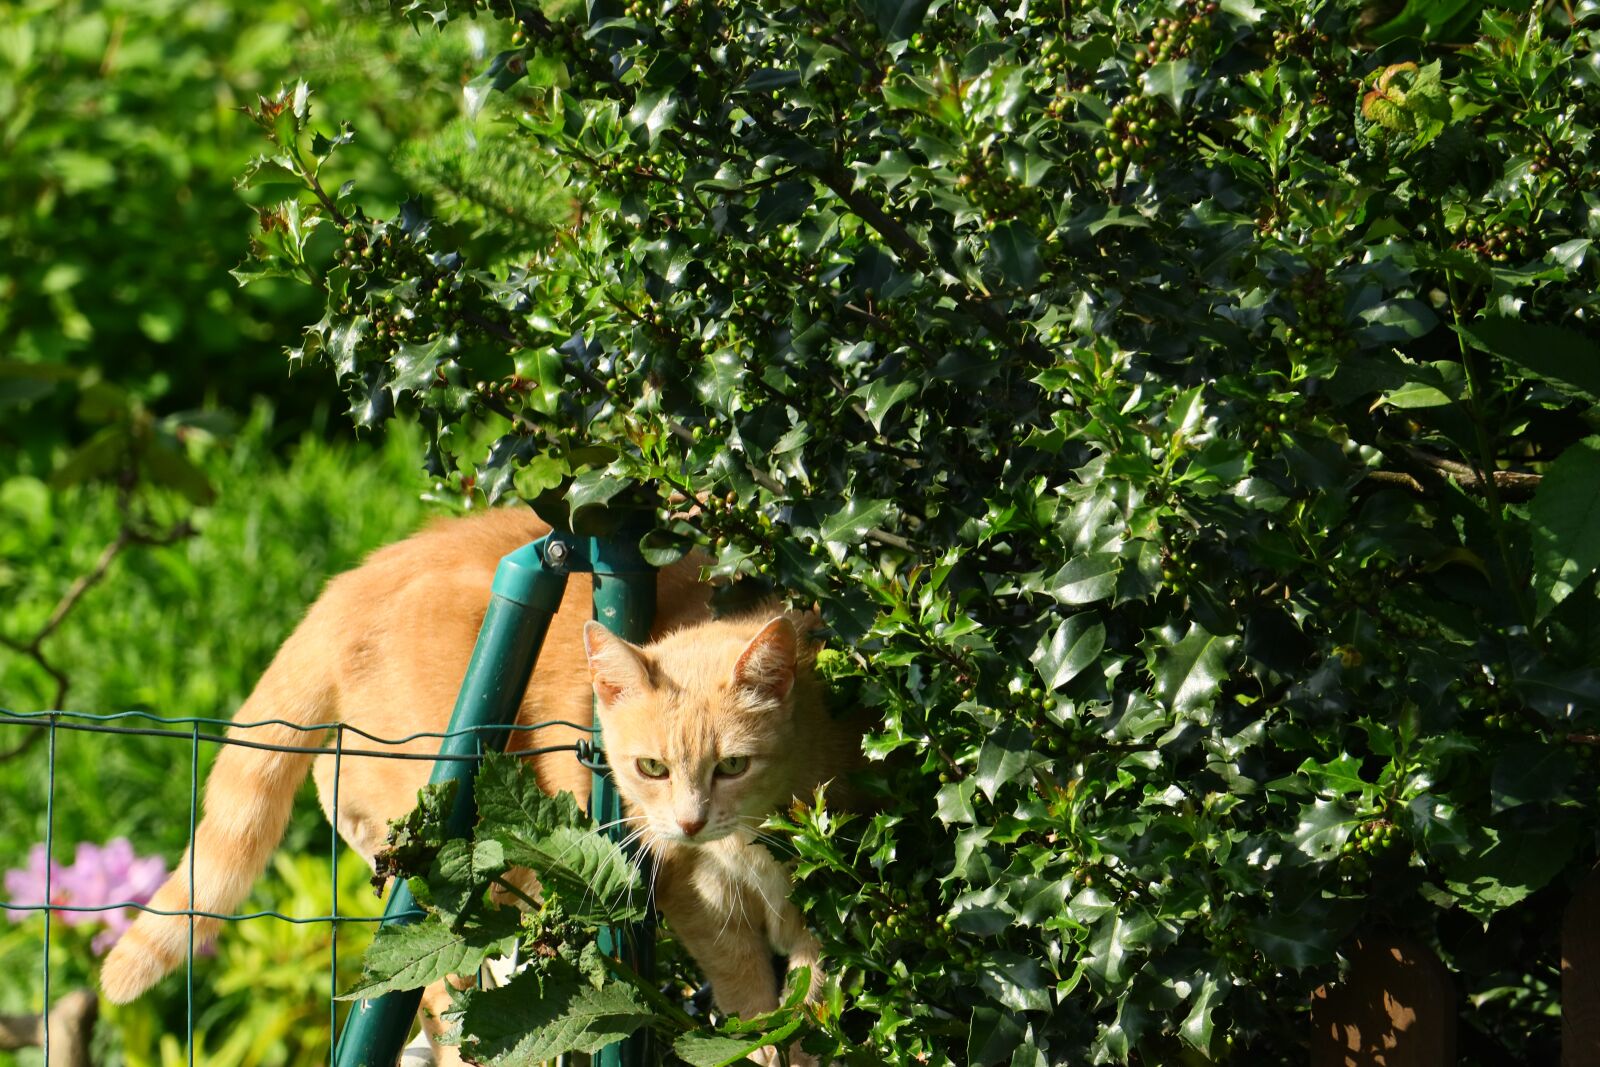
767	664
615	666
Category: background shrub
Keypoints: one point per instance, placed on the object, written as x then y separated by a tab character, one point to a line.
1182	414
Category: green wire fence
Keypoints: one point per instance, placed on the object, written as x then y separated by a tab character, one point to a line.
527	591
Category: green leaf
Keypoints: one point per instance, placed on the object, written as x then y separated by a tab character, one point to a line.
1196	1026
537	1017
1071	648
1532	772
1085	579
412	956
1508	864
596	881
1188	673
896	19
1005	755
1563	357
1296	940
1016	253
850	524
1323	828
1427	19
1170	79
654	111
511	801
881	396
1108	954
1564	518
715	1050
1337	778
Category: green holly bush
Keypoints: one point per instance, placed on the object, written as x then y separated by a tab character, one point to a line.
1183	414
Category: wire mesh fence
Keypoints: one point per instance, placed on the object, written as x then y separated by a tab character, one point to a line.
339	741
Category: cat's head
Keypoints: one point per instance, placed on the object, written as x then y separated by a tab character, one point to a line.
699	726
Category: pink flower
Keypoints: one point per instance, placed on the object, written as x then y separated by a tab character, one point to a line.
26	885
99	876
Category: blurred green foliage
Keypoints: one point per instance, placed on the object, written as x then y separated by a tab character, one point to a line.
181	631
145	399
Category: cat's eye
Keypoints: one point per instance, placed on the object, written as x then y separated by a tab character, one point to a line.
732	766
652	768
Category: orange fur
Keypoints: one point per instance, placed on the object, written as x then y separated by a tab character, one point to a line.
384	649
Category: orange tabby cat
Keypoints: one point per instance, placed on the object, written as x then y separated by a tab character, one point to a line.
709	729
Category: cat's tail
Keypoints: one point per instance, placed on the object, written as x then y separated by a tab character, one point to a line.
248	798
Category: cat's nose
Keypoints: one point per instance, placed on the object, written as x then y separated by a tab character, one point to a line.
690	827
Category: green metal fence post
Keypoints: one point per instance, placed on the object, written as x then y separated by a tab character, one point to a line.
526	594
625	604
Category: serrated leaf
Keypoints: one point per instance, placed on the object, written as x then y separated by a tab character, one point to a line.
597	883
537	1017
510	800
414	955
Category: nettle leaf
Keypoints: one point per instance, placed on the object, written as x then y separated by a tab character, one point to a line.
510	800
597	882
1565	520
1188	673
412	956
538	1016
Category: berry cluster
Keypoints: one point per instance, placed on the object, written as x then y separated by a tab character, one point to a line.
1297	40
1173	38
726	524
1318	330
985	183
1178	567
1368	840
1131	130
1498	241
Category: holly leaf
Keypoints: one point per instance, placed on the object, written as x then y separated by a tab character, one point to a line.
1188	673
1069	649
1564	517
